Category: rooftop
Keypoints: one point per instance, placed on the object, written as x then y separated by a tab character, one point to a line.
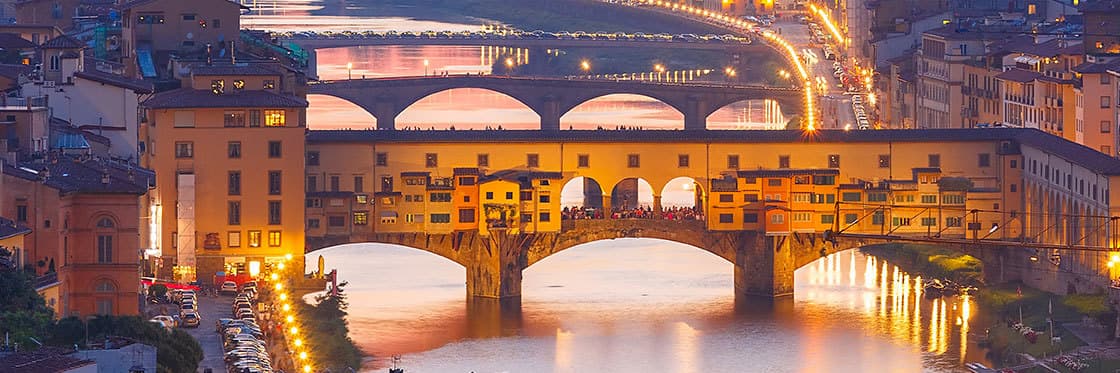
74	174
14	41
197	98
42	360
1019	75
138	86
63	42
9	228
1076	153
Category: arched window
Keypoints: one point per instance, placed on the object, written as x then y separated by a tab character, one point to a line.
105	286
105	223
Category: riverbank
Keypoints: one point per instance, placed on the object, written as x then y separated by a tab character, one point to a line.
1021	316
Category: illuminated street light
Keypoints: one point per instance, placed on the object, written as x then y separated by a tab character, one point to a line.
293	330
349	70
509	66
307	369
425	67
303	355
585	66
290	318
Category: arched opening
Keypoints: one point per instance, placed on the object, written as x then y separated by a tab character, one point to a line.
749	115
468	108
622	110
682	198
333	113
631	197
582	198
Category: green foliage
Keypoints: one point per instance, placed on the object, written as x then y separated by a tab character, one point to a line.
931	261
23	312
1088	304
158	290
176	351
328	333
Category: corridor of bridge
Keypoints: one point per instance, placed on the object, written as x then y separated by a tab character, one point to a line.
680	198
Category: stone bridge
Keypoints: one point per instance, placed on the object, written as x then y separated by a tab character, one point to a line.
551	98
764	264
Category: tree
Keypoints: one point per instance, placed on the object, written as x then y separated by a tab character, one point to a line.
328	332
157	290
176	351
23	312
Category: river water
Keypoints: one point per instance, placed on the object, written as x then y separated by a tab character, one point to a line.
627	305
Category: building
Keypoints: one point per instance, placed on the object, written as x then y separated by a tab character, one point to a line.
153	29
239	212
940	73
45	360
11	239
1102	22
118	355
58	13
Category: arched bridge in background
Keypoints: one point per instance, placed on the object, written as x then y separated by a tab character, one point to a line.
519	39
551	98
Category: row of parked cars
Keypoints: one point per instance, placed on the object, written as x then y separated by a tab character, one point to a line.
187	317
242	338
518	34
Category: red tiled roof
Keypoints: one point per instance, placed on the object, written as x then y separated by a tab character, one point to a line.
196	98
1018	75
139	86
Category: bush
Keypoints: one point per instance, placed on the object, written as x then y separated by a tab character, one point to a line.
176	352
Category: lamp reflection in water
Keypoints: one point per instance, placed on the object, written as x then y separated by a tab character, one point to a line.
898	309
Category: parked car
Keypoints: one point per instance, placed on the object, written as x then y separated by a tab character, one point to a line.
191	320
228	287
167	321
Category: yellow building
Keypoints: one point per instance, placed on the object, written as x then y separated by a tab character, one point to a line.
230	155
11	240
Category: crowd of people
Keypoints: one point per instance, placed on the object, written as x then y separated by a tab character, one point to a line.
641	212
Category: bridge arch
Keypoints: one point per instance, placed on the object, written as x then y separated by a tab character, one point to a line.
326	112
749	114
570	103
582	192
611	110
682	192
447	103
632	193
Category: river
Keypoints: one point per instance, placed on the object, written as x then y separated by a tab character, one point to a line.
627	305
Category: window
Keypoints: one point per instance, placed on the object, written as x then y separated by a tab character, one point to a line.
876	197
103	223
633	161
21	213
334	183
359	184
1106	149
184	149
235	183
274	182
1014	188
442	218
312	183
544	217
935	160
726	218
1106	126
382	159
273	238
851	196
234	238
188	17
509	195
583	161
726	197
733	161
269	84
254	118
824	179
900	221
217	23
750	217
313	158
929	222
777	219
336	221
802	216
233	149
313	223
104	306
526	195
234	119
929	198
985	160
783	161
750	197
682	160
431	160
234	213
218	86
877	218
184	118
1013	164
1106	101
489	195
484	160
884	160
833	161
953	221
851	218
532	160
274	149
360	218
827	219
466	215
104	248
55	62
254	238
467	181
952	199
544	198
439	197
774	182
273	212
362	199
273	118
526	218
801	197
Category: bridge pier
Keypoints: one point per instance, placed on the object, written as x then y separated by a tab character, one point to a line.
386	113
695	117
764	266
550	115
494	266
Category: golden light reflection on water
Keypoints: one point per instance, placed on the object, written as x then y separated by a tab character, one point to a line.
564	350
892	303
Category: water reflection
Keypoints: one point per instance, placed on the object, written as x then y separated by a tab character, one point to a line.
633	305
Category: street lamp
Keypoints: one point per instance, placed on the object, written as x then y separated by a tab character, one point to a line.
585	66
349	70
659	68
509	66
425	67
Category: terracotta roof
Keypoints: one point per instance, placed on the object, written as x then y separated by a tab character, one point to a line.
42	360
228	69
135	3
9	228
197	98
63	42
1073	152
138	86
14	41
1019	75
1093	68
72	174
